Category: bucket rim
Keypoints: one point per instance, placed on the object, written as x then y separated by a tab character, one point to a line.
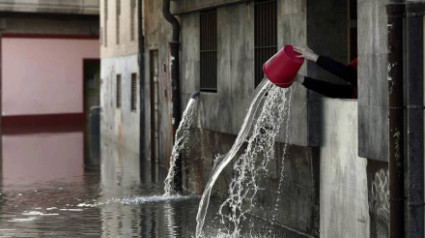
292	54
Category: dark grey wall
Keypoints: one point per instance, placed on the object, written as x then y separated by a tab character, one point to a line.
292	29
298	203
327	35
157	35
372	76
225	110
378	193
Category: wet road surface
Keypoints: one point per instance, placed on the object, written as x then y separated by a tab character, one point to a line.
48	189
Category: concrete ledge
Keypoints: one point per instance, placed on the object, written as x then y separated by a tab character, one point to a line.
89	7
187	6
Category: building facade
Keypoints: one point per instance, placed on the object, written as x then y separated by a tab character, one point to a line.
120	72
336	165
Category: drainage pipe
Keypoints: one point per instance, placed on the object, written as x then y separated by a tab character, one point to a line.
395	12
142	123
174	45
415	118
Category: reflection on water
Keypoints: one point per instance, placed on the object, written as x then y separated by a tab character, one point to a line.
47	191
38	158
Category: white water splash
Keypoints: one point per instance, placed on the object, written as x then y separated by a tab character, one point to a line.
260	144
28	219
181	139
37	213
147	199
134	201
253	162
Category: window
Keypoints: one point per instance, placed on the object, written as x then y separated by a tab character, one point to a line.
133	92
118	90
208	34
265	35
118	8
132	20
352	31
105	28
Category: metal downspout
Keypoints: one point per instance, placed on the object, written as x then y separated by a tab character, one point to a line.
141	84
174	45
415	118
395	12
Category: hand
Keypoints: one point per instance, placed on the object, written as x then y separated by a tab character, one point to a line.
306	53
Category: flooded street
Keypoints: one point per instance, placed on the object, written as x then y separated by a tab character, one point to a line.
48	189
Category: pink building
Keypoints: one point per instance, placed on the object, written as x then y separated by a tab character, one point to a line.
42	77
49	78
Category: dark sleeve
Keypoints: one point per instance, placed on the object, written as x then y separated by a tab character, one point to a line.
346	72
329	89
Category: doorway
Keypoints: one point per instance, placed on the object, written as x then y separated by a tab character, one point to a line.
91	77
154	99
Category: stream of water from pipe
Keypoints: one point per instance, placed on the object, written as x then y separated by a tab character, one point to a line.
181	140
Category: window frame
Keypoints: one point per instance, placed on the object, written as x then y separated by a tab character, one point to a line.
118	16
208	50
133	93
118	91
265	39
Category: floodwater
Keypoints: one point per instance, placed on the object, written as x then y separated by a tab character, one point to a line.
48	189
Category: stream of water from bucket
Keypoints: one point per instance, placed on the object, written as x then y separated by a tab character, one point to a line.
282	174
181	139
258	133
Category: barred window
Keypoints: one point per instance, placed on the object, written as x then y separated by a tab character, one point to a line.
208	34
118	14
133	92
132	19
118	90
105	28
265	31
352	31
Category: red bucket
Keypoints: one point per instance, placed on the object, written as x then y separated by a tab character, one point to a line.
282	68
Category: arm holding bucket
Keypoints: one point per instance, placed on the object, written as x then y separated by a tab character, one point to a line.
346	72
327	89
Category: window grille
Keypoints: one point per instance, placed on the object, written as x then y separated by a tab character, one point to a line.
118	13
208	50
265	35
133	92
352	31
132	20
105	28
118	90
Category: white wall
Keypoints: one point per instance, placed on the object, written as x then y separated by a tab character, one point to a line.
120	124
